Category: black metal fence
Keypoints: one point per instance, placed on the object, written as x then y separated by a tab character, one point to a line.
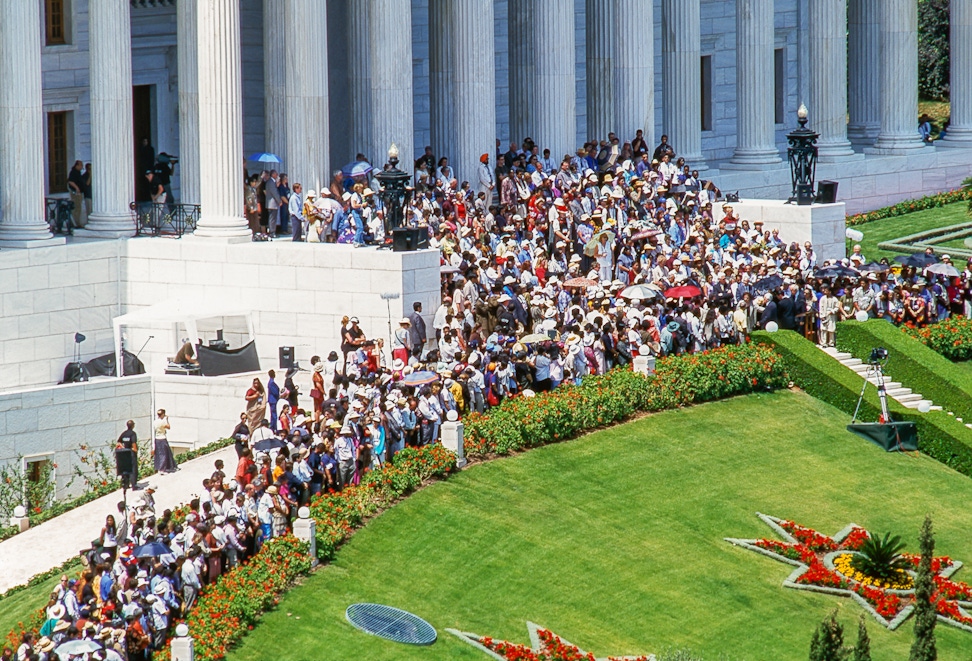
164	219
58	212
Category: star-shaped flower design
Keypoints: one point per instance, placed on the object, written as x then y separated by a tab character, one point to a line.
544	646
823	565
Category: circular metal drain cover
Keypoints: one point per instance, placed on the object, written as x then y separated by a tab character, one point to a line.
391	623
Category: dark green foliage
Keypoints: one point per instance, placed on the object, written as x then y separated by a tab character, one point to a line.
933	50
862	651
881	558
923	647
827	643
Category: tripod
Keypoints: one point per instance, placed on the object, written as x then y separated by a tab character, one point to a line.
876	370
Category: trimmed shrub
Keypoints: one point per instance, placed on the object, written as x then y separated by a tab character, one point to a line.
910	362
910	206
822	377
570	410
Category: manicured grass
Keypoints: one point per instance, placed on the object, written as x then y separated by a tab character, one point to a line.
892	228
20	606
615	541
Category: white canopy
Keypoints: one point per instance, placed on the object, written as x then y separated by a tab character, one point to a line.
173	312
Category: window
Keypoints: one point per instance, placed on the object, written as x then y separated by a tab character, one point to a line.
706	92
40	483
57	157
55	22
779	73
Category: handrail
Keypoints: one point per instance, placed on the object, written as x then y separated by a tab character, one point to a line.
164	219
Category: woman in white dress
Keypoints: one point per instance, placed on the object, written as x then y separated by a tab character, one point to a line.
162	453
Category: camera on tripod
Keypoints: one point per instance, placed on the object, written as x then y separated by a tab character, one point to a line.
879	356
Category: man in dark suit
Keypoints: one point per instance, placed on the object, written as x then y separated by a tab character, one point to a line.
786	312
770	312
417	329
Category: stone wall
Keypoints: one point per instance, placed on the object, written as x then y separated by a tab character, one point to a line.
58	420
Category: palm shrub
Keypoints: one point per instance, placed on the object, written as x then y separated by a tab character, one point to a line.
881	557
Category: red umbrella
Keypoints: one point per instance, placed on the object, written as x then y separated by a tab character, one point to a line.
579	282
685	291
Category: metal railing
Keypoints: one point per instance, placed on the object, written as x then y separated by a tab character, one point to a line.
164	219
137	4
58	210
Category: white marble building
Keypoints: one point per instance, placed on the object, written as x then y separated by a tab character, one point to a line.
317	82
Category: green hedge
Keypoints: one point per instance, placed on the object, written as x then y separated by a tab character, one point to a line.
910	362
911	206
822	377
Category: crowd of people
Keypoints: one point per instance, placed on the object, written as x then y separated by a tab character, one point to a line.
551	271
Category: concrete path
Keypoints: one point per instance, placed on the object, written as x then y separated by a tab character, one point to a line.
52	543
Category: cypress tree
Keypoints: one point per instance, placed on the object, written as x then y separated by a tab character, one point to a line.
862	651
923	646
827	643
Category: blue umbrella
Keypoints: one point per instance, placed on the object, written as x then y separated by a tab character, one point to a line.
357	169
152	550
422	378
264	157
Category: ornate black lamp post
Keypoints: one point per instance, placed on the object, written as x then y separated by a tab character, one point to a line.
394	193
802	154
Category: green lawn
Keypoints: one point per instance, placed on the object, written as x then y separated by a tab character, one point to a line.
21	605
615	541
892	228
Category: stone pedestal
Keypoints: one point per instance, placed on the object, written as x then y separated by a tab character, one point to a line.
305	529
220	122
899	78
22	218
823	225
21	523
644	365
960	130
682	79
452	440
188	63
755	130
112	143
864	63
828	79
391	72
543	98
307	136
183	649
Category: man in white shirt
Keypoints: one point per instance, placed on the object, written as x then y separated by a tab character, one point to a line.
486	182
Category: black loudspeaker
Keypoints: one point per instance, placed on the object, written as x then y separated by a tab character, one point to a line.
286	357
124	461
75	373
405	239
804	194
827	192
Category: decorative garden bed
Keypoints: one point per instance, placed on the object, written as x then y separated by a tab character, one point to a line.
823	565
545	645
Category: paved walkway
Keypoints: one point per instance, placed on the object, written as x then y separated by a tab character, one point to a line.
52	543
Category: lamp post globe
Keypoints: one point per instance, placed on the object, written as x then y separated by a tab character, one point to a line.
801	153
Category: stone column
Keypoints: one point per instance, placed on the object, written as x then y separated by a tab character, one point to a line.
442	72
308	146
221	122
899	78
543	98
682	79
601	92
463	81
634	71
359	35
960	129
22	218
391	71
864	77
112	144
828	78
275	36
187	44
755	128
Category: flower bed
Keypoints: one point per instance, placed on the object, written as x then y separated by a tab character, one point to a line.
823	565
571	410
951	338
545	645
910	206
